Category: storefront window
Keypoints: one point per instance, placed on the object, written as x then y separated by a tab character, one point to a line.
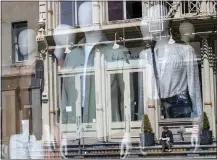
105	79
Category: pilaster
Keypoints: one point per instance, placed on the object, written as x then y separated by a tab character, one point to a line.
45	99
51	90
99	96
208	79
96	12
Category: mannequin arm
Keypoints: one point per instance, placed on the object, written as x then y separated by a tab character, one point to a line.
193	81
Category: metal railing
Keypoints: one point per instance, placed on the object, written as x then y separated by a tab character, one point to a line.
187	8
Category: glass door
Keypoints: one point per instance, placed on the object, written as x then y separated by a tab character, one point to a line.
116	100
87	105
78	105
70	113
136	91
125	102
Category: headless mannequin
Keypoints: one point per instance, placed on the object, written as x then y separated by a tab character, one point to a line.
62	39
186	30
170	66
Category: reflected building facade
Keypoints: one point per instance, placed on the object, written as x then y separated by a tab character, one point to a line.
112	96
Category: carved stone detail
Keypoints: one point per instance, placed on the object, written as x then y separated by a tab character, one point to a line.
207	51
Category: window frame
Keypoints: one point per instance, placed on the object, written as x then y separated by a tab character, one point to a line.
15	55
75	12
124	12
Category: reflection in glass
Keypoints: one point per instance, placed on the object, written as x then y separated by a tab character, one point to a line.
137	105
69	96
115	10
117	97
134	9
67	12
88	98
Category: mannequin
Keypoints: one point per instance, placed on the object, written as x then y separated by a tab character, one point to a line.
61	38
28	45
186	30
24	146
84	56
172	61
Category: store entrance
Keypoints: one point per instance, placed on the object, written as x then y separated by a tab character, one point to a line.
125	101
77	119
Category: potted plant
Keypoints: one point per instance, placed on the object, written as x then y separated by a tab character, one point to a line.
206	134
146	135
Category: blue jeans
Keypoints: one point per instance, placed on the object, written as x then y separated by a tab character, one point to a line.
178	106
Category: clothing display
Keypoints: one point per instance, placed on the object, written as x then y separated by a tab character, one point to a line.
178	71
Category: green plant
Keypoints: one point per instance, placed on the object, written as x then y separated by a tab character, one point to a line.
205	121
146	125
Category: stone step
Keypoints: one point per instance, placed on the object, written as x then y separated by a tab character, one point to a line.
152	151
140	154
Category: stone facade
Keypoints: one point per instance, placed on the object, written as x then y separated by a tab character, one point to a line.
206	39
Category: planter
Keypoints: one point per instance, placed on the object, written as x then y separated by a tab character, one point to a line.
147	139
206	137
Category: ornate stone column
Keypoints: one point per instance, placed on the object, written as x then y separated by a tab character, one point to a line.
51	92
212	81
